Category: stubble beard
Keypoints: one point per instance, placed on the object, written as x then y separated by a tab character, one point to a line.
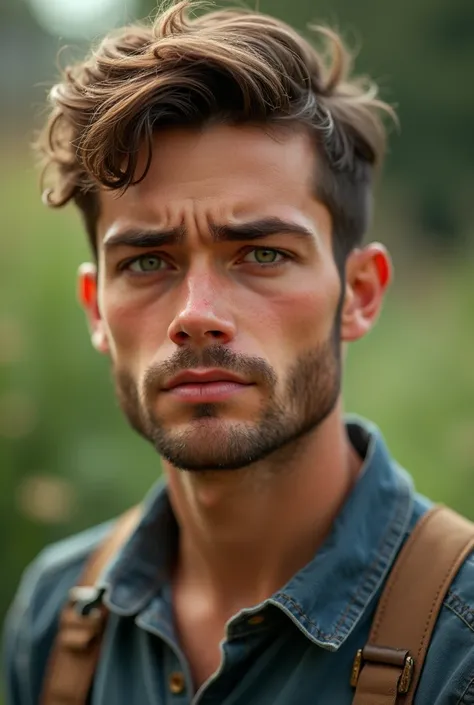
210	442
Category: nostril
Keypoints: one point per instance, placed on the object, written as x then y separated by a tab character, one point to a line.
216	333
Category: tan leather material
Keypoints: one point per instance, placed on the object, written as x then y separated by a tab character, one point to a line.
381	654
410	603
403	623
71	670
378	685
76	650
76	633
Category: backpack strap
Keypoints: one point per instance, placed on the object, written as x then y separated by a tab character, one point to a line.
75	654
390	664
387	670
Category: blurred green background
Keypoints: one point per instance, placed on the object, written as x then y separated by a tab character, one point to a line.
67	457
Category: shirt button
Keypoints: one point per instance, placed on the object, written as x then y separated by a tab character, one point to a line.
177	683
256	619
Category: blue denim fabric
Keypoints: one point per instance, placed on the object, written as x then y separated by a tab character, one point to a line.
300	653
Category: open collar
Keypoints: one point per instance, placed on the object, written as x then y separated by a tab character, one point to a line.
327	597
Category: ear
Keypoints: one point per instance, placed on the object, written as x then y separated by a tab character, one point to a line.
368	274
87	285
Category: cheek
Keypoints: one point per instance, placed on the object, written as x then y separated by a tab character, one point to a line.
299	318
134	330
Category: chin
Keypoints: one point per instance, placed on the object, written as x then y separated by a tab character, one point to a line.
203	433
208	443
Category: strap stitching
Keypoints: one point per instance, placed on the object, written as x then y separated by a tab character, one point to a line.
469	690
463	550
399	565
460	608
442	583
458	615
373	568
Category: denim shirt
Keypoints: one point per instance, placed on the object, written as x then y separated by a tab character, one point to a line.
297	646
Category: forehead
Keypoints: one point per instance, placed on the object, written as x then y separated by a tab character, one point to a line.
217	173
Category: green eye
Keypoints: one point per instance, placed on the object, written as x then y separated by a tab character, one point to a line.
264	255
147	263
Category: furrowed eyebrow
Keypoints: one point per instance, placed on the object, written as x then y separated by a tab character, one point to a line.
132	237
238	232
257	229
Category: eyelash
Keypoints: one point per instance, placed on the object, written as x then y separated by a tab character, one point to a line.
125	266
285	256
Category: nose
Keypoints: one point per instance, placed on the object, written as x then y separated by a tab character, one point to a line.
203	317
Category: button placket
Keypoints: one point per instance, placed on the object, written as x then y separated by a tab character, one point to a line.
176	683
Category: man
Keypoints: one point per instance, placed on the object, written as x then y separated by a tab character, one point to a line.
224	173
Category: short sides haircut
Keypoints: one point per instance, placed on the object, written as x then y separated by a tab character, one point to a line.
188	69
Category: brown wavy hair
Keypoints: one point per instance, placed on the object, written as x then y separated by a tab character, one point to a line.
226	66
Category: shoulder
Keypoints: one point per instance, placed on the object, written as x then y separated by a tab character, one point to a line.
45	584
448	674
452	646
32	621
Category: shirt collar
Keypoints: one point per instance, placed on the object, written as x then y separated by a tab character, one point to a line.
326	598
329	596
142	566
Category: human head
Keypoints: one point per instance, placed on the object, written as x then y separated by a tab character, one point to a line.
194	85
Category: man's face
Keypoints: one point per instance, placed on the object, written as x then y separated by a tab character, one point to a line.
219	264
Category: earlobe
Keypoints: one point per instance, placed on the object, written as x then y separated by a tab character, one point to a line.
99	339
368	274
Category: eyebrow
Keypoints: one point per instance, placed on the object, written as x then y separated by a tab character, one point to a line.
240	232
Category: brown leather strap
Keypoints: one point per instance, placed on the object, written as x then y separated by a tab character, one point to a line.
387	670
75	653
401	631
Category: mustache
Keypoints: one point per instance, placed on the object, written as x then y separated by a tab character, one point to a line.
253	369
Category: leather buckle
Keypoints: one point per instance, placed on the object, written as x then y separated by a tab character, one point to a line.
385	656
83	619
86	600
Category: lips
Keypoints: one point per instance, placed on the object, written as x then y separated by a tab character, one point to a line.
205	387
196	377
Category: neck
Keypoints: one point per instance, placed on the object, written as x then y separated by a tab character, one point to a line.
245	533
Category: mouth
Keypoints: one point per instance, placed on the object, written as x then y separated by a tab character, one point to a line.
205	386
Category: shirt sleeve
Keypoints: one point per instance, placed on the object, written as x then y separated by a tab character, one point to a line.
458	687
32	622
17	646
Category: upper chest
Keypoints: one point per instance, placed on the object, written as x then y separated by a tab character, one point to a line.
200	640
267	662
252	664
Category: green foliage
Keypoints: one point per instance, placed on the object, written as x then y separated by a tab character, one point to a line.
68	458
